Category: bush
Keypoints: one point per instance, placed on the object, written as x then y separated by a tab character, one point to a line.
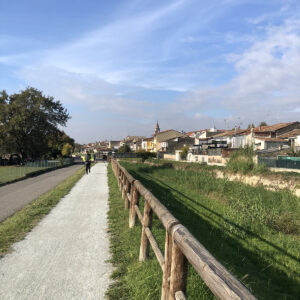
145	155
184	153
242	160
124	149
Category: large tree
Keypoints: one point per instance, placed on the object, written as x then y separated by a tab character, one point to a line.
28	120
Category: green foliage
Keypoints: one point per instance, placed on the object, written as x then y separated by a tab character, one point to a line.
67	150
184	152
124	149
242	160
30	122
144	155
263	124
77	147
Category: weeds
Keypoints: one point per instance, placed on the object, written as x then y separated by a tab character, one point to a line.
252	231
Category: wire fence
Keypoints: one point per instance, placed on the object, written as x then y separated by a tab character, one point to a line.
14	172
280	162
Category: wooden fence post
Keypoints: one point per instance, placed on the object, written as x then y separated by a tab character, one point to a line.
178	272
118	175
124	187
134	195
121	180
127	189
167	267
147	222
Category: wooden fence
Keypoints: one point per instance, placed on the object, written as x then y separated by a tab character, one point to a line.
180	246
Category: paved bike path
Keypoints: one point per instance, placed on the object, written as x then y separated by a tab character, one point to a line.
16	195
64	256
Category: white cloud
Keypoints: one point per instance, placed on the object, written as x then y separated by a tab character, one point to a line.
267	84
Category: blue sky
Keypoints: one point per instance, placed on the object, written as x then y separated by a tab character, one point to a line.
119	66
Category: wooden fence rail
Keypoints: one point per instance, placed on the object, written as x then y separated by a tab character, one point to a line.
180	246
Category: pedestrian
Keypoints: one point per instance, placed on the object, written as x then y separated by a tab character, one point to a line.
88	163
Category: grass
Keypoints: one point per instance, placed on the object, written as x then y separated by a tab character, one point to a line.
132	279
253	232
16	227
190	166
10	174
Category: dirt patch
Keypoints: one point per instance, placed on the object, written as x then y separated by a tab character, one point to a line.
272	183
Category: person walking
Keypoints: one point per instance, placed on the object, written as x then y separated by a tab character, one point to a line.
88	163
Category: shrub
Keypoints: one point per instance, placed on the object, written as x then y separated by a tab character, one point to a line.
242	160
124	149
145	155
184	153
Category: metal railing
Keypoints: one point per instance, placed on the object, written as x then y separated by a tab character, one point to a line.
180	246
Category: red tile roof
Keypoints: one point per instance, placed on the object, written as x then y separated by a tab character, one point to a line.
272	128
292	133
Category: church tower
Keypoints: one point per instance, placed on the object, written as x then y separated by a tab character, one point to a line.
157	129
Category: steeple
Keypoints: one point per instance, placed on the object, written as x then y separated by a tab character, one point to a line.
157	129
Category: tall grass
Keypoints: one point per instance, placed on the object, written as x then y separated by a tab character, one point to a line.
252	231
242	161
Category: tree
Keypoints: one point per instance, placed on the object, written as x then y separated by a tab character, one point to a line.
251	126
67	150
124	149
56	143
263	124
77	147
29	120
184	153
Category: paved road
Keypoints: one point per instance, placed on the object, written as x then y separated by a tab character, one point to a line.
16	195
64	256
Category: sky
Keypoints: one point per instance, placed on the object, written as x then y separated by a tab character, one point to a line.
120	66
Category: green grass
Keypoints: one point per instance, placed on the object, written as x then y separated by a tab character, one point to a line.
11	173
252	231
132	279
16	227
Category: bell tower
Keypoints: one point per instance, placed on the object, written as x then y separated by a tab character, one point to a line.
157	129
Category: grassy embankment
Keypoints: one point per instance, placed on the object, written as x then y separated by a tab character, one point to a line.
16	227
252	231
13	173
9	174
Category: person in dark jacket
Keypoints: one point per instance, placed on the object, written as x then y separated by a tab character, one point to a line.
88	163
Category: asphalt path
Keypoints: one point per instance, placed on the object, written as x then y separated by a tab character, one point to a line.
65	255
16	195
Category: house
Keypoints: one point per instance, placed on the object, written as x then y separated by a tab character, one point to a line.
160	139
297	143
147	144
276	130
134	142
236	138
206	134
114	145
177	143
293	137
266	143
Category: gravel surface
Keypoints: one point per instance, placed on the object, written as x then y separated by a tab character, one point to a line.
16	195
64	256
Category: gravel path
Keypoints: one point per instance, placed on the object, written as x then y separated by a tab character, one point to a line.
16	195
64	256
